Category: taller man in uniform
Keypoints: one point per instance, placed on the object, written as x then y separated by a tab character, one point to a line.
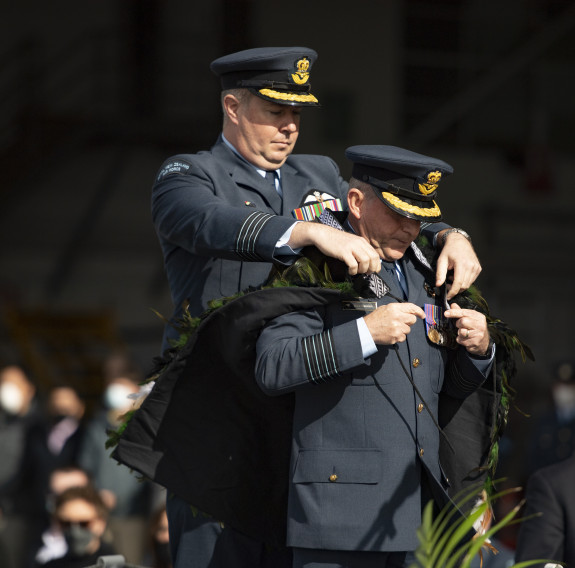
222	216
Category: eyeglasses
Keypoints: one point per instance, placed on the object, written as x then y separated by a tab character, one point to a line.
68	524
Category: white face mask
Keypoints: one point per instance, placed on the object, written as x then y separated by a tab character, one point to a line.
116	397
564	397
11	398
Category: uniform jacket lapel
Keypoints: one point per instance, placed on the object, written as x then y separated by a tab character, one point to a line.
416	278
245	175
294	187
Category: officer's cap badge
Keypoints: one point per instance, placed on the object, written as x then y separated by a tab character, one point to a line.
433	179
301	76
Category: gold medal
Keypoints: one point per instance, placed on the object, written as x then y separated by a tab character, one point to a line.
435	336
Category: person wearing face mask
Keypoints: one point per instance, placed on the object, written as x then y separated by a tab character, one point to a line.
130	500
81	515
52	543
17	391
552	438
53	442
19	411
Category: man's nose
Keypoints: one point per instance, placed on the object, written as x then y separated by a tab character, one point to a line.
411	225
290	123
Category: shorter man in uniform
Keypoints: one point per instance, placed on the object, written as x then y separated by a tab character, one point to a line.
367	377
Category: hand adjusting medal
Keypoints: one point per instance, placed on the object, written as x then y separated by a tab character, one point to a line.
437	326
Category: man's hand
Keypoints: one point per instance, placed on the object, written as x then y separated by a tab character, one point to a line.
472	330
457	255
391	323
359	256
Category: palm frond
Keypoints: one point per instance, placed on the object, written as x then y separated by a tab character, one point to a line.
444	541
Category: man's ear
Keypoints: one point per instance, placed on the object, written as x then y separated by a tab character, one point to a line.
355	201
231	106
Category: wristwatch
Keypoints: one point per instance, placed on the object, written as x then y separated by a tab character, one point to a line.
454	230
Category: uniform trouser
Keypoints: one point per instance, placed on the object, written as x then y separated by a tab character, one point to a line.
197	541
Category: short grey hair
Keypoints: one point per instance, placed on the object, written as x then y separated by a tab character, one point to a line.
364	187
241	94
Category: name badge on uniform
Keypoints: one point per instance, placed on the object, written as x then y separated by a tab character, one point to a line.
363	305
436	324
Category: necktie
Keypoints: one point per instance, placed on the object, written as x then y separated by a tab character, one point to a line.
271	179
401	278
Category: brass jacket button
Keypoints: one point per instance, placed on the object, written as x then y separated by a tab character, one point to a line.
416	362
333	477
420	451
420	407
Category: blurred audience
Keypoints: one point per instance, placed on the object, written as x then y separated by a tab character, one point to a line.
47	446
81	515
19	412
130	500
64	502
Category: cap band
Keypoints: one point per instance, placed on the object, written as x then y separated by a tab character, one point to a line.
274	85
291	97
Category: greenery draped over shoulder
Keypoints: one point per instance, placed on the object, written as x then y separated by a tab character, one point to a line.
316	270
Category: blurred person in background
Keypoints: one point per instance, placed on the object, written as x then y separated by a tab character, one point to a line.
52	542
129	499
549	530
53	442
19	412
158	555
552	436
81	515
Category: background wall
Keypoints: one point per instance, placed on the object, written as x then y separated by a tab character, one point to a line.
94	96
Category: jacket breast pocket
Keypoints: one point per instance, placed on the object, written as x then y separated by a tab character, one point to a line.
338	466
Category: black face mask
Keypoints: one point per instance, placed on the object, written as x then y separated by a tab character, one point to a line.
162	555
78	539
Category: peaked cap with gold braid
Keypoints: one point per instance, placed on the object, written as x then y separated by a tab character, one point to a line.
405	181
277	74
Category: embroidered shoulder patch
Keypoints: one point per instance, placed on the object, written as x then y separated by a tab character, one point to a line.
317	196
173	168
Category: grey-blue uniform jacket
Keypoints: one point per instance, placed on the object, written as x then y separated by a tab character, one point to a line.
361	434
213	211
218	221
